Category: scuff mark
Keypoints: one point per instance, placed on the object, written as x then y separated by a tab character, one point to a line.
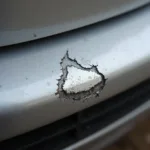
94	91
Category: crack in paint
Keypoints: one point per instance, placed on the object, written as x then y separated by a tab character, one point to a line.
94	91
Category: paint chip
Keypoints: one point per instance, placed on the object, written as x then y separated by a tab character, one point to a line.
72	82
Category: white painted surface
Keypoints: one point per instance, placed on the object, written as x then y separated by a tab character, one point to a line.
25	20
29	72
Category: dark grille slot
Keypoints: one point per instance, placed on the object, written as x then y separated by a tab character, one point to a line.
71	129
43	134
92	125
56	143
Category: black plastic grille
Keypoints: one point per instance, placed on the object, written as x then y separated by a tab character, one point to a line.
69	130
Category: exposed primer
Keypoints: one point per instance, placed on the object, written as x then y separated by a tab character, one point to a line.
94	91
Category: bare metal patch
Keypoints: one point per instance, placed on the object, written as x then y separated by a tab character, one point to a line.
94	91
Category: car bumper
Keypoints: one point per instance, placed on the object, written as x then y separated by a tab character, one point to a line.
28	72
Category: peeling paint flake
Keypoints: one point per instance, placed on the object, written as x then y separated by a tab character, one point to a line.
71	83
